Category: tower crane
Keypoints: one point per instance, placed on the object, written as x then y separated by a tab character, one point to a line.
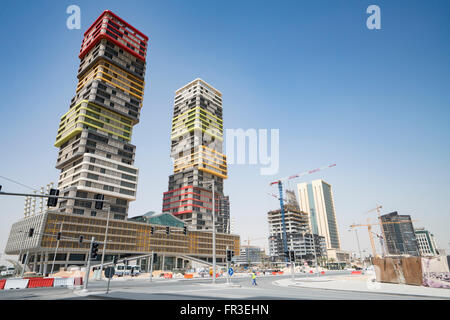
369	229
248	247
280	191
381	236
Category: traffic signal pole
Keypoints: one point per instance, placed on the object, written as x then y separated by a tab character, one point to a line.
88	267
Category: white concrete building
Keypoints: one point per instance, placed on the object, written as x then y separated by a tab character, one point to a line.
316	199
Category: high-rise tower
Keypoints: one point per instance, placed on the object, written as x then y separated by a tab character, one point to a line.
316	199
94	137
197	139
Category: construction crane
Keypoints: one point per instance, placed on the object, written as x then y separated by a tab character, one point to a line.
377	209
369	229
248	247
280	191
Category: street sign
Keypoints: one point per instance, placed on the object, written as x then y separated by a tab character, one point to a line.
109	272
230	271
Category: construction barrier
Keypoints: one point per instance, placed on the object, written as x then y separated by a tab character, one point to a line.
167	276
16	284
357	272
280	272
63	282
40	282
274	273
78	281
29	278
2	283
310	271
323	272
188	276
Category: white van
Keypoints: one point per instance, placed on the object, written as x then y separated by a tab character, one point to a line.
8	272
122	270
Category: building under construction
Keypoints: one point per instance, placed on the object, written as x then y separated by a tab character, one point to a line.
399	233
299	238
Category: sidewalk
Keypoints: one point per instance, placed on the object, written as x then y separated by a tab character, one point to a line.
364	284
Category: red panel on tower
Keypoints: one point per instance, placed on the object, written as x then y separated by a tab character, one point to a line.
110	26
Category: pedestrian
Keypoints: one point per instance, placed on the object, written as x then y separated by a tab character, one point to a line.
254	279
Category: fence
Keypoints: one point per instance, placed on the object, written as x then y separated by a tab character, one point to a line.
427	271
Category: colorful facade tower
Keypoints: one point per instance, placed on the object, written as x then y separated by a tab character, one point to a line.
94	137
197	139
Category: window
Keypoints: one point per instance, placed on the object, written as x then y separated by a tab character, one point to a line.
78	211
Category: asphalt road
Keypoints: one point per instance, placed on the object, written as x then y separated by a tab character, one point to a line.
194	289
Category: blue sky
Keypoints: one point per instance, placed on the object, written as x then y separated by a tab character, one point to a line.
376	102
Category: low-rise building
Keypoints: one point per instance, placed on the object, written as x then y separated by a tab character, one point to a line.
426	242
125	239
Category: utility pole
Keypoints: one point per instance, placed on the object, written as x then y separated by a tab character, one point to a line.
88	267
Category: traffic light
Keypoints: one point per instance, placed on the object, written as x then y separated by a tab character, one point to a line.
94	250
155	257
229	255
185	230
152	230
81	239
52	201
0	187
167	230
99	204
292	253
286	254
115	259
24	257
30	233
58	236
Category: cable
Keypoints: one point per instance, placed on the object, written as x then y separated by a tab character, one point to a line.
23	185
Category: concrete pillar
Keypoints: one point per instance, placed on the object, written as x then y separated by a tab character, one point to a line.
67	260
45	262
35	262
176	262
41	263
162	263
182	263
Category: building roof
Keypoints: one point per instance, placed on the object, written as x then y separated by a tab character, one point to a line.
162	219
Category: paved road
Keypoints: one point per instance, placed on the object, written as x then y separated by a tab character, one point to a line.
197	289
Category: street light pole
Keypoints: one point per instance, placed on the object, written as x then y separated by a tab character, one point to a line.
106	239
88	267
56	250
214	231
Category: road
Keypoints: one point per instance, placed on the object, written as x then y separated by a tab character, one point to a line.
194	289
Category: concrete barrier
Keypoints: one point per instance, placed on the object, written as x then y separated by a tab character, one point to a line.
63	282
2	283
78	281
16	284
40	283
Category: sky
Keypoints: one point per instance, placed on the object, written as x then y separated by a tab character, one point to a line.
375	102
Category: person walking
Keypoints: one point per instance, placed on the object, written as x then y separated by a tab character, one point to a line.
254	279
